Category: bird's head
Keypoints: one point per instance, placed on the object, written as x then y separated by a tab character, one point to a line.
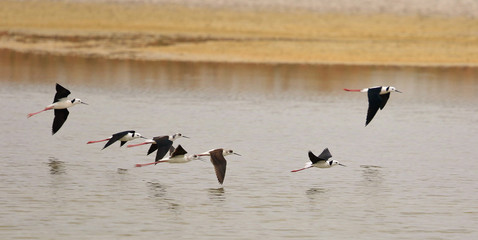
177	135
333	163
137	135
77	101
226	152
393	89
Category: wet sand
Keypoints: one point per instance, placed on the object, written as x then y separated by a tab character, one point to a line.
203	33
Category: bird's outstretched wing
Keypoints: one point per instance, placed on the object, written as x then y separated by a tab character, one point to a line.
116	137
154	147
61	92
384	98
325	154
219	162
314	159
374	103
178	151
322	157
163	145
60	117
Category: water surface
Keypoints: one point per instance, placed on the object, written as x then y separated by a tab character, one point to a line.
410	174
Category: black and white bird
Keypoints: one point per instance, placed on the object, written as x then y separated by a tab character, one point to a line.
177	155
377	98
219	162
123	137
60	105
161	143
321	161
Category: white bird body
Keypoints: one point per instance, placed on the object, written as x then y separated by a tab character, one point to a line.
321	164
383	90
177	155
181	158
64	103
130	136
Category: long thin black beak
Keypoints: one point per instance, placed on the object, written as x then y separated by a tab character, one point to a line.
341	165
85	103
185	136
237	154
398	91
143	137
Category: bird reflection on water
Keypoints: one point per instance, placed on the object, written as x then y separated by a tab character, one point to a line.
156	189
372	174
57	167
218	194
159	192
314	192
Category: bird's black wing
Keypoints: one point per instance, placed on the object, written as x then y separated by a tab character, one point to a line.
60	117
219	162
314	159
325	154
163	146
385	98
178	151
154	147
116	137
374	103
61	92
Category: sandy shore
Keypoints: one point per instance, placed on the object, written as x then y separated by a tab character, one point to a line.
174	31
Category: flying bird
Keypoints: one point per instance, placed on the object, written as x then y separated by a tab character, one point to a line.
177	155
321	161
163	143
377	98
60	105
123	137
219	162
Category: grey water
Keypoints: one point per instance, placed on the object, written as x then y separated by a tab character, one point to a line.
410	174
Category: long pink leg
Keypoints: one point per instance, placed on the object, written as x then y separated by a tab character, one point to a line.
98	141
139	144
35	113
352	90
147	164
301	169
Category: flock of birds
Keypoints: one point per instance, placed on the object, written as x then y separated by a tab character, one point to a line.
377	98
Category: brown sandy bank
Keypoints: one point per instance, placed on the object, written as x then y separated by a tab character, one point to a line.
159	31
